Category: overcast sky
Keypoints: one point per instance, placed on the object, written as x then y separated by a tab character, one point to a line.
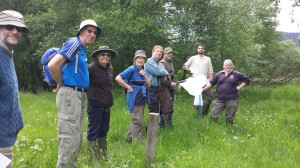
286	15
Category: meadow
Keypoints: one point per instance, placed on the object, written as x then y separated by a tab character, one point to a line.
266	134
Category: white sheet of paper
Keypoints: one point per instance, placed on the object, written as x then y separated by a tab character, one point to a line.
194	85
4	161
198	100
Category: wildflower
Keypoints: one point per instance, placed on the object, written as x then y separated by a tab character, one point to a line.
38	140
36	147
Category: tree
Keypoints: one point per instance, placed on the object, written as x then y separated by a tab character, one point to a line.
241	30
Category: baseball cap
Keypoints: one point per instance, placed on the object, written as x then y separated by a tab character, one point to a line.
168	50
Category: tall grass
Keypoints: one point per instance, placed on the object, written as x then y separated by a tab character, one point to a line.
265	134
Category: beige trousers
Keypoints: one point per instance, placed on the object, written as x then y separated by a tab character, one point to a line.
8	152
135	129
71	110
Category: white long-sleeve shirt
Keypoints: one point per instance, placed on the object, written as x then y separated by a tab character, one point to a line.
200	65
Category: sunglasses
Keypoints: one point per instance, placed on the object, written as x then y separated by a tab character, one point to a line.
105	54
12	27
91	31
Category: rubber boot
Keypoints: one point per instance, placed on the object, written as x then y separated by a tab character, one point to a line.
196	110
94	152
102	142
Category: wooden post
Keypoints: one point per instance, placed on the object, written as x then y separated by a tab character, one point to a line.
152	132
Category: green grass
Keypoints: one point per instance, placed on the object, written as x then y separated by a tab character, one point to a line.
265	134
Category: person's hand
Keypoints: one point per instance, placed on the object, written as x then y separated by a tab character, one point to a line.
238	87
54	90
142	72
130	89
173	84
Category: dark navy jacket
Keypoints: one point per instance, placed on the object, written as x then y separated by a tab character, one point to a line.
226	85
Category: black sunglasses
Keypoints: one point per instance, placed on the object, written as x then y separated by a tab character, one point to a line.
12	27
104	54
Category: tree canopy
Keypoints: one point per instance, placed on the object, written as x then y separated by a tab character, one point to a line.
241	30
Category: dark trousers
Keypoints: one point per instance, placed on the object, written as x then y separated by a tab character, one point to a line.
208	96
98	118
153	100
170	114
207	102
172	93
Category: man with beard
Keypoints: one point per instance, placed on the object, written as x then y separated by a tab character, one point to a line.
167	62
12	28
201	64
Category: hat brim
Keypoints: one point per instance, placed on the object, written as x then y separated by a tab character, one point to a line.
169	51
14	23
98	30
112	53
142	56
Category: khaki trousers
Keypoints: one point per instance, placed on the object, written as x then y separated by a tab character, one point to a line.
8	152
135	130
220	105
71	110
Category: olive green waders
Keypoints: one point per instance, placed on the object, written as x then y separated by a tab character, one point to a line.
98	149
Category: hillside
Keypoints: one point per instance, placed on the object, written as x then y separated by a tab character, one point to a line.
291	36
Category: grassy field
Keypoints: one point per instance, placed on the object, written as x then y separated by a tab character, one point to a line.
266	133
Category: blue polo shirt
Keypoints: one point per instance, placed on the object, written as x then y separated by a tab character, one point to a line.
75	73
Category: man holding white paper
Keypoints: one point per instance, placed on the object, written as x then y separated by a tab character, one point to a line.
201	64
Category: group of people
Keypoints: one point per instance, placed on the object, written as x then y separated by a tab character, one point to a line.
148	82
228	82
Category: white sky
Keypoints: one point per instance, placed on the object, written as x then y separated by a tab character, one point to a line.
286	15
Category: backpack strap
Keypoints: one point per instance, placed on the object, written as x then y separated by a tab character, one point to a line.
50	57
132	68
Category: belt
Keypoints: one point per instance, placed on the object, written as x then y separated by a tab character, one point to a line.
77	88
